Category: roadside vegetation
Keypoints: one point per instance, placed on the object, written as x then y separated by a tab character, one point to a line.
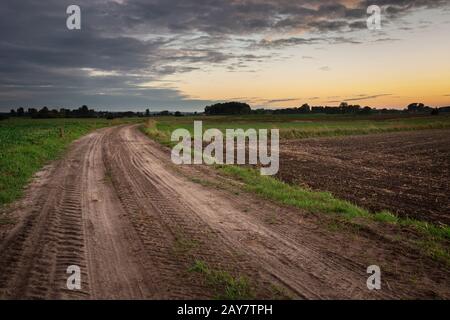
28	144
433	239
429	238
226	286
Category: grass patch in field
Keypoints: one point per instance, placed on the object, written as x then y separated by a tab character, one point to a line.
150	129
27	144
439	232
385	216
360	128
225	285
182	244
435	250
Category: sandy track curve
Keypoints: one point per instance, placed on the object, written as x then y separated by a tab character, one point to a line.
116	207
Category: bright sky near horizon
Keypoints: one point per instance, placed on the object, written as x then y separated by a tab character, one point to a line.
185	54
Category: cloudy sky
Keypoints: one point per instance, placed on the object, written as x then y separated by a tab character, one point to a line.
185	54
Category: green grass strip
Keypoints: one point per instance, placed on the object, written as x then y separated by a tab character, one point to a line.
226	286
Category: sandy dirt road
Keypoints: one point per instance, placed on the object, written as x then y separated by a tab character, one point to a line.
135	224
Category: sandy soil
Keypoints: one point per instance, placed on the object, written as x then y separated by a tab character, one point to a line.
117	207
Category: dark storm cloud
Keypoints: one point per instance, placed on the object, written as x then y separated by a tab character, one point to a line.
361	97
123	44
294	41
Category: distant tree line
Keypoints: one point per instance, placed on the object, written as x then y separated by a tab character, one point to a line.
344	108
421	108
228	108
175	114
82	112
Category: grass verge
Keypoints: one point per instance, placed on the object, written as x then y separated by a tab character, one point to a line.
150	128
28	144
433	241
182	244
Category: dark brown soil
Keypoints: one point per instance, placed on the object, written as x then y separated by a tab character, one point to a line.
406	173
